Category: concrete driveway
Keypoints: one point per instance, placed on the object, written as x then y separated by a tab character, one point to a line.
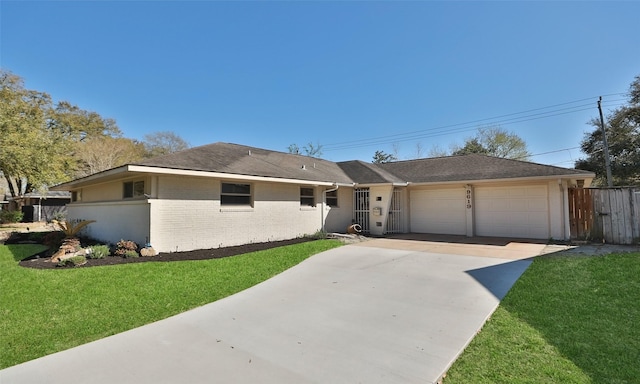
382	311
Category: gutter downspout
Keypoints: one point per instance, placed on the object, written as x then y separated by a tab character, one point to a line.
324	203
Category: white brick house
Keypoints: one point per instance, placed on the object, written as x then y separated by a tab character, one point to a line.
222	194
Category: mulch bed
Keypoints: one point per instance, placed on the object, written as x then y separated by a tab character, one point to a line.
41	261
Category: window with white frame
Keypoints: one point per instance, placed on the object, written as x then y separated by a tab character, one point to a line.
307	197
332	198
235	194
133	189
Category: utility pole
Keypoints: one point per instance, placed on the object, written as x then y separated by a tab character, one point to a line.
607	160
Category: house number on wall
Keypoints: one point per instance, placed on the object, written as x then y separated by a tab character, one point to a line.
468	197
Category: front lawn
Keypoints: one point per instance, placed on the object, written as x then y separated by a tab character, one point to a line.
569	319
46	311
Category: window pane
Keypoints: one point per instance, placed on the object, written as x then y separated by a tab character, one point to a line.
138	188
306	192
236	188
307	197
332	198
128	189
235	194
307	201
235	200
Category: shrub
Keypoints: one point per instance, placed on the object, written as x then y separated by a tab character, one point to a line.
72	228
59	216
130	254
123	246
73	261
99	252
10	216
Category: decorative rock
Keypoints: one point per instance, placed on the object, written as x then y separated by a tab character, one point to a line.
148	251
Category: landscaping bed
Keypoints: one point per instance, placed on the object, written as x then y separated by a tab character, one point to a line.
41	260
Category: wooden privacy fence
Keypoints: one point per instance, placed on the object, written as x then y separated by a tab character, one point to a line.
608	214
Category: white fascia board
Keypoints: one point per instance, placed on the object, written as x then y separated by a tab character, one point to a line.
367	185
226	176
504	180
88	179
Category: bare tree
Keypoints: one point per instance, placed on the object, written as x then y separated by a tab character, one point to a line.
162	143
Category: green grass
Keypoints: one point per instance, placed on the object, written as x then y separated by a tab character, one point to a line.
46	311
567	320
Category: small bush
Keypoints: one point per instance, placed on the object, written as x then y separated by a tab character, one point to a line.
319	235
130	254
99	252
123	246
73	261
10	216
59	216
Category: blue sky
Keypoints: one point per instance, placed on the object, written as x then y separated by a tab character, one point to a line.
354	76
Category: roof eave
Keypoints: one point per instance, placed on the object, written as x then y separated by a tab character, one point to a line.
90	179
144	169
223	175
512	179
394	184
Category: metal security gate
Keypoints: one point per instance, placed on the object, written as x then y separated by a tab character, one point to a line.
395	220
361	208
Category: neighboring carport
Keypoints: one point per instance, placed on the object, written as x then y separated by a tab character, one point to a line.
374	312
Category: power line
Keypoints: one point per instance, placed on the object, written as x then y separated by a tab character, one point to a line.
550	152
511	118
441	131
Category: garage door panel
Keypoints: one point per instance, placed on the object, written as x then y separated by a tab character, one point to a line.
512	211
439	211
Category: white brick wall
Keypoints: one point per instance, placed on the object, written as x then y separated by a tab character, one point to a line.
339	218
187	215
128	220
102	192
109	191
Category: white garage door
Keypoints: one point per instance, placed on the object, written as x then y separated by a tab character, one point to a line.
512	212
438	211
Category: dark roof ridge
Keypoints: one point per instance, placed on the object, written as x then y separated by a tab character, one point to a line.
363	172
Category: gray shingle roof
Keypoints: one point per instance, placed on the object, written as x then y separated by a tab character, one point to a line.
472	167
368	173
250	161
